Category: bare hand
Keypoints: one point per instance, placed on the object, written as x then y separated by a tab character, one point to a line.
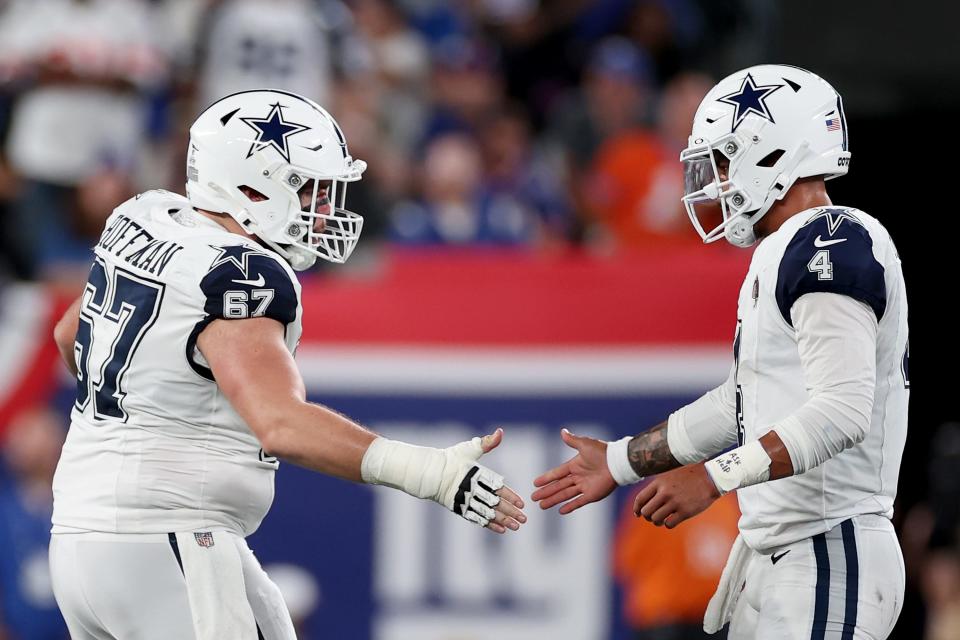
509	514
675	496
580	480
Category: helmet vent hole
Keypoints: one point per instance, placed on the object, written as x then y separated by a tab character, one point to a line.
252	194
226	118
771	158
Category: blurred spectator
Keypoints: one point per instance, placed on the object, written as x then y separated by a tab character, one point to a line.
438	20
456	207
941	590
80	68
613	98
636	181
661	28
252	44
398	67
380	105
516	171
649	562
540	47
27	605
467	84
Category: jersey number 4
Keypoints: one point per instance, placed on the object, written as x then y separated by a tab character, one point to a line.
820	264
115	313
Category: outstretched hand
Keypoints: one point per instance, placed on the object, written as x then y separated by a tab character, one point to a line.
508	512
580	480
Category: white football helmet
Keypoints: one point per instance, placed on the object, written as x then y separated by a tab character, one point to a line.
775	124
278	164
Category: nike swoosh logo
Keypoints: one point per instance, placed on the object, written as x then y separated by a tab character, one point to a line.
316	148
259	282
819	242
774	558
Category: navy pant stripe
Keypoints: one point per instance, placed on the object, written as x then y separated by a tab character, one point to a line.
172	538
822	599
853	579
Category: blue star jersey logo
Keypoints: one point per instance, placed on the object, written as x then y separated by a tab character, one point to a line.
835	218
273	131
235	254
751	98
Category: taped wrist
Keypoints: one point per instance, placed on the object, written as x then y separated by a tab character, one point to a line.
618	462
416	470
450	476
740	467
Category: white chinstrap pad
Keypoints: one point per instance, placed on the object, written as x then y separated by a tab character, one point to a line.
618	462
741	467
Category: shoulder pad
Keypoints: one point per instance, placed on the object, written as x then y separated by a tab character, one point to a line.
831	253
244	282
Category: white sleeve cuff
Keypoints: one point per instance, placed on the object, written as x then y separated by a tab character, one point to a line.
618	462
798	443
679	441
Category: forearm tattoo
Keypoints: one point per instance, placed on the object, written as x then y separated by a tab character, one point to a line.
649	452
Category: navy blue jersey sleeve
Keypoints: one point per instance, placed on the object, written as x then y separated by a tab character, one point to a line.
831	253
242	282
245	283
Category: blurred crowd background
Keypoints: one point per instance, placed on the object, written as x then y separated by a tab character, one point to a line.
508	123
545	127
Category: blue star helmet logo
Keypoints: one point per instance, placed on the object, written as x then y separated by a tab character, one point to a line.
273	131
750	98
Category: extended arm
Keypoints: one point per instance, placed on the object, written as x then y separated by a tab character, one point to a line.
836	340
65	335
706	426
692	433
253	368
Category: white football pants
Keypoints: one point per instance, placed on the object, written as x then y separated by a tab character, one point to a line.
187	586
845	584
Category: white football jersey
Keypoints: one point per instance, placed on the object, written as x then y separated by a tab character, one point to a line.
154	446
833	250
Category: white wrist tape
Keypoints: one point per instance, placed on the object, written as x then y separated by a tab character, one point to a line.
415	470
618	462
448	476
741	467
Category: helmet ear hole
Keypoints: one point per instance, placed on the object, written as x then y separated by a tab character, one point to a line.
252	194
771	158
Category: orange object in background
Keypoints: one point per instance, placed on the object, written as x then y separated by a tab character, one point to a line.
669	575
634	191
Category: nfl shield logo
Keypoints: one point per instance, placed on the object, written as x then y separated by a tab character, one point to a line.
204	539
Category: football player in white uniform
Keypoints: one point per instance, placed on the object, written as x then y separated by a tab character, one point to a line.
815	408
187	391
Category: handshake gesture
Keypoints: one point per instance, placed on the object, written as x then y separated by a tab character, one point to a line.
453	478
671	497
